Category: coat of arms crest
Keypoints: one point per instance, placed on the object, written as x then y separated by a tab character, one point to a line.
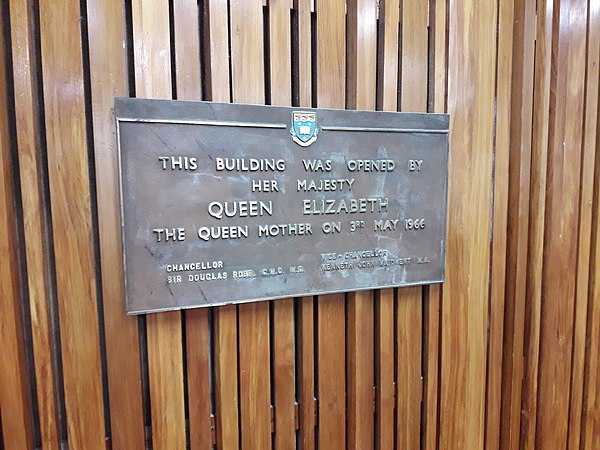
304	128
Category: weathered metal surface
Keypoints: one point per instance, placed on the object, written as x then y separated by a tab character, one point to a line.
230	203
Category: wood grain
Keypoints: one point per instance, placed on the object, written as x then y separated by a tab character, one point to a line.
306	317
186	33
410	386
198	377
590	421
306	369
331	372
590	431
362	54
225	317
305	70
226	389
216	34
413	97
283	347
433	307
504	86
588	163
280	52
361	77
331	54
255	393
384	373
331	88
518	222
14	388
360	373
385	357
389	18
539	162
108	73
431	382
472	44
152	58
248	83
25	63
247	59
562	211
68	168
280	70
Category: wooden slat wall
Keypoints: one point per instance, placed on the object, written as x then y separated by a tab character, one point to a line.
67	128
504	355
109	79
472	46
14	390
152	61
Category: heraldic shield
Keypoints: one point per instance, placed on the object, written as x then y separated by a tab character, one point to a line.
304	128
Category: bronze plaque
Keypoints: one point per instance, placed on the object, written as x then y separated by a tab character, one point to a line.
227	203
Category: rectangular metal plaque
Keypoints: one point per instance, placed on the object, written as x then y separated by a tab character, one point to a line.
227	203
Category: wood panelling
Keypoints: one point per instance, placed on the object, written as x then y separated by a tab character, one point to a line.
152	60
493	434
586	201
280	73
217	81
14	387
472	45
248	86
539	162
385	373
109	79
70	193
188	82
562	211
590	416
504	354
414	35
32	168
362	74
331	314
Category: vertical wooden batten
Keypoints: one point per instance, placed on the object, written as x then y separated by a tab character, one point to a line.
472	44
152	58
562	212
31	167
590	431
280	76
506	11
188	79
361	94
108	74
226	388
331	92
389	18
432	332
522	80
586	201
414	59
539	162
248	86
68	167
17	430
306	314
590	419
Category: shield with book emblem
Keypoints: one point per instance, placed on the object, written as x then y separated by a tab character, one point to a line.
304	128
